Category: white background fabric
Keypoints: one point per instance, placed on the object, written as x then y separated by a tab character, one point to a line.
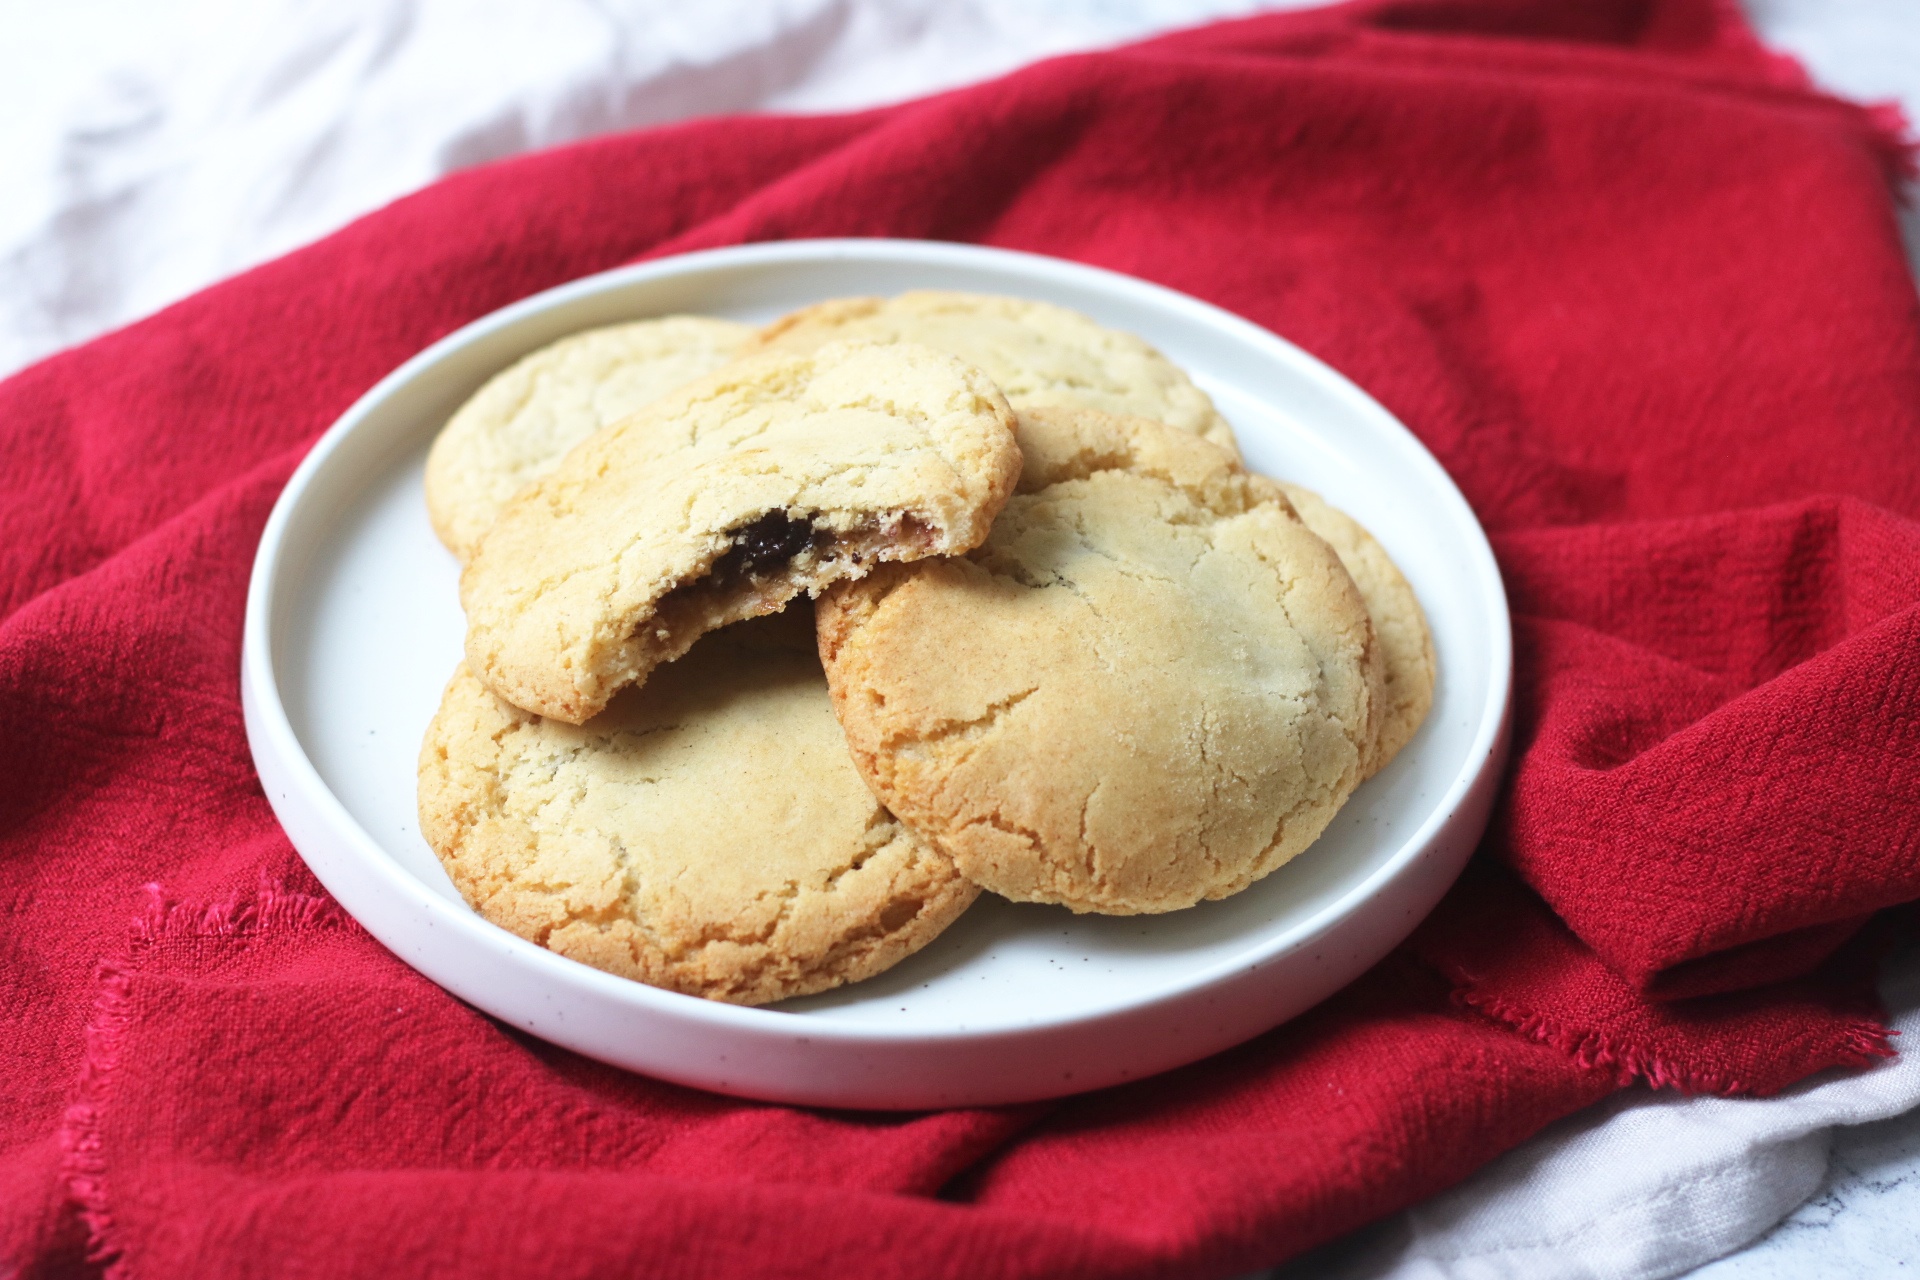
151	149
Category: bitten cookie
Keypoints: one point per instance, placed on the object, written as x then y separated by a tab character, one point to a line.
1150	686
777	475
1038	354
517	427
707	834
1405	643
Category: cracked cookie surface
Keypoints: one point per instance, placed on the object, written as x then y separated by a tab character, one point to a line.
519	425
1039	354
777	475
707	833
1150	686
1406	645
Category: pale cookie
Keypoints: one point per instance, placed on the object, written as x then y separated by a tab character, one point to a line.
777	475
1038	354
517	427
1406	645
707	834
1150	686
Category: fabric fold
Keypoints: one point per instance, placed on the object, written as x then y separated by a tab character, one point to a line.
1719	735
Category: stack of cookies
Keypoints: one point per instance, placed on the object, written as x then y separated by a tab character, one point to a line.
784	644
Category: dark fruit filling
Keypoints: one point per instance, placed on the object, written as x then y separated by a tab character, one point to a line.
767	545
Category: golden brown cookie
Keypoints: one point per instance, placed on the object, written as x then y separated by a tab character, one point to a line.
777	475
1038	354
517	427
1405	644
707	833
1150	685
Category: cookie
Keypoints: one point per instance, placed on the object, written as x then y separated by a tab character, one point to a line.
1038	354
706	834
1405	643
779	474
1150	686
516	428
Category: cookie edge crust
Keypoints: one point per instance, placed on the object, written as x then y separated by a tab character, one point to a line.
1408	673
455	800
1214	429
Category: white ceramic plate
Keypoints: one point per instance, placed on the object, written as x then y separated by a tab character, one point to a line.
353	626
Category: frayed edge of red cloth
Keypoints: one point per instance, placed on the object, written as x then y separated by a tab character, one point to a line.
1512	960
1891	130
83	1160
1860	1045
82	1163
271	906
1900	144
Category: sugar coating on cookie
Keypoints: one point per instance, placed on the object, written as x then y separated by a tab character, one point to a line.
1039	354
517	427
1405	643
707	834
1148	687
777	475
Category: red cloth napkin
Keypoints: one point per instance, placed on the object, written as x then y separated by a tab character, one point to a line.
1638	288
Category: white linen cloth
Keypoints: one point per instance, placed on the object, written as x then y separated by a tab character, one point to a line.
150	150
